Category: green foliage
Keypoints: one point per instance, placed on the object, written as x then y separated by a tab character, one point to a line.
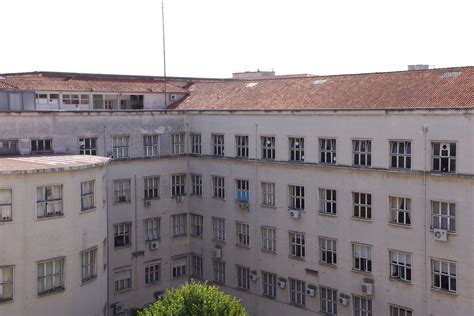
197	299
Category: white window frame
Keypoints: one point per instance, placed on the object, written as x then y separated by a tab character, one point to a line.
218	187
196	184
178	143
151	145
123	231
87	195
196	143
440	155
219	271
89	264
152	229
178	185
151	187
327	151
89	147
218	228
218	144
362	258
242	191
121	146
443	215
9	147
46	145
242	146
7	282
269	284
362	205
268	147
448	275
296	149
400	210
401	265
328	250
297	292
242	231
328	300
197	225
179	266
196	265
122	279
297	244
362	152
296	197
268	238
50	282
243	278
400	311
268	193
327	201
6	205
362	306
46	206
400	154
153	272
179	224
122	189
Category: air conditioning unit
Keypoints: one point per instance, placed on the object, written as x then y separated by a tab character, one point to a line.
147	203
217	253
311	291
179	198
117	308
253	276
343	300
440	235
154	245
294	213
367	286
244	205
281	283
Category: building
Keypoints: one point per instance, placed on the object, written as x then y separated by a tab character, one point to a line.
347	195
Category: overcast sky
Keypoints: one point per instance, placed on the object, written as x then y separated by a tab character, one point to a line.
213	38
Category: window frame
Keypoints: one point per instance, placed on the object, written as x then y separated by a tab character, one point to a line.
6	283
152	232
196	185
152	272
61	261
57	201
363	309
359	207
269	284
451	207
127	284
89	264
297	292
151	145
88	195
362	263
328	302
397	209
121	150
297	241
218	187
326	151
47	145
123	230
327	249
178	143
296	148
218	269
268	196
90	146
122	195
296	197
243	277
359	153
269	238
180	223
217	144
8	206
242	190
327	201
242	148
444	274
401	265
218	230
178	185
451	160
268	149
242	234
196	143
197	225
395	156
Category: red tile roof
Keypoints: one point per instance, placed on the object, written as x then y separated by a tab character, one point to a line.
424	89
4	85
92	86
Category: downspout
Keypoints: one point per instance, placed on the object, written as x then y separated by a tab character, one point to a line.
425	231
256	208
107	222
136	232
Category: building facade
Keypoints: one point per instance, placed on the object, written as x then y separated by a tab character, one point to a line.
341	195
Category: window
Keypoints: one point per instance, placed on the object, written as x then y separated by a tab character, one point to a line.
269	284
8	147
153	272
120	147
178	185
177	143
269	238
444	275
122	279
218	187
41	146
400	154
179	224
151	145
219	271
196	144
196	184
88	146
362	306
152	228
362	153
296	197
87	195
297	244
218	228
400	210
443	216
268	194
362	258
327	201
296	149
218	144
122	234
242	191
89	264
327	250
400	265
297	292
362	203
49	201
179	266
444	157
196	265
328	301
50	275
268	147
75	99
151	188
242	144
6	283
196	225
5	205
400	311
243	278
47	98
122	191
327	150
243	234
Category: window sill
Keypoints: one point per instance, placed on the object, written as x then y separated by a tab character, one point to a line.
220	241
271	252
297	305
333	215
242	289
85	282
297	258
450	233
51	292
444	291
401	281
122	247
122	203
197	236
180	235
400	225
361	272
242	246
330	265
6	300
6	222
362	220
268	206
88	211
196	195
43	218
123	291
218	198
179	277
152	284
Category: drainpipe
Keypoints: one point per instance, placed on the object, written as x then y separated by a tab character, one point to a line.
136	235
425	231
256	208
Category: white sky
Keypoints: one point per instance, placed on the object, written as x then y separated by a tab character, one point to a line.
213	38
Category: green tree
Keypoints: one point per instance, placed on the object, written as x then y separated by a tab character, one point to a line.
198	299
